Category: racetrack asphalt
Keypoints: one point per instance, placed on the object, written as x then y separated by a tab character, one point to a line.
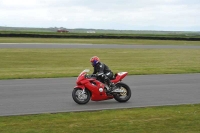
52	95
33	96
59	45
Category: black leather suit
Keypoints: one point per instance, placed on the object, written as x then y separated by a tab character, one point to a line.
104	74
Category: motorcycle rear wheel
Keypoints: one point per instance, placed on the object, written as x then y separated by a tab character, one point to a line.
125	96
80	96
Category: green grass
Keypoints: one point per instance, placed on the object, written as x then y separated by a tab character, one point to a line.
46	63
41	63
166	119
97	41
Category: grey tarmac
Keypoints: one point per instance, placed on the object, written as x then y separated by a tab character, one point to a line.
34	96
117	46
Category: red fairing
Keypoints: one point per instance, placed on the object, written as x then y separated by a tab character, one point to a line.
80	78
119	77
80	86
94	88
97	89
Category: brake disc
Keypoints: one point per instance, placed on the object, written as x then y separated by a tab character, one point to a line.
124	93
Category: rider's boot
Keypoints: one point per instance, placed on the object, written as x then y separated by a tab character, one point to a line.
112	87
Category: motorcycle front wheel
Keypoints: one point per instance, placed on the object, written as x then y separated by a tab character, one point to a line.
123	96
81	96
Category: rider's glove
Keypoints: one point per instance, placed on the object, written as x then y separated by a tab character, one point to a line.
94	75
99	74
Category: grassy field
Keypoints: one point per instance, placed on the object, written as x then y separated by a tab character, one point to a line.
167	119
97	41
46	63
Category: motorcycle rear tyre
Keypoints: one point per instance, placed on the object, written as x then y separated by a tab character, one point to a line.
117	96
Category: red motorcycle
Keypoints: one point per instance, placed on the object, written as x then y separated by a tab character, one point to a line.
90	88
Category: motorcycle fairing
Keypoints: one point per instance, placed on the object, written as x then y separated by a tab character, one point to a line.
119	76
94	87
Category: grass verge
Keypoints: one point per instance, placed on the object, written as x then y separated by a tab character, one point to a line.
96	41
48	63
166	119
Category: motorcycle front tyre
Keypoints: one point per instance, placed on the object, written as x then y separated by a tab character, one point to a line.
78	99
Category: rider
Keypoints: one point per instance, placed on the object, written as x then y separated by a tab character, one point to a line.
102	72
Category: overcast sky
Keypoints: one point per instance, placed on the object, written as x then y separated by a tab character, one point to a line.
173	15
